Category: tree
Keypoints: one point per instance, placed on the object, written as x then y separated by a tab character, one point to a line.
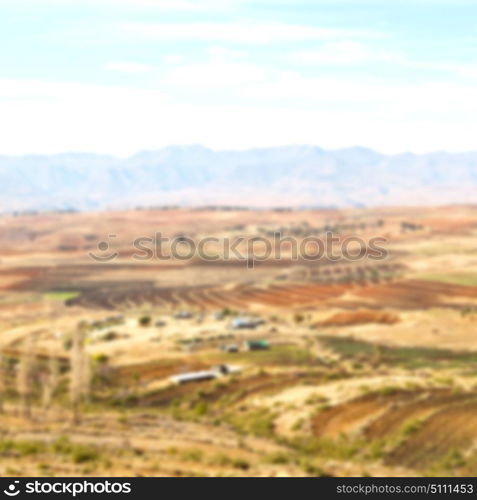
144	321
3	381
25	376
298	317
50	381
80	374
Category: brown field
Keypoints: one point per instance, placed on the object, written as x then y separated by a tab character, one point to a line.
370	366
360	317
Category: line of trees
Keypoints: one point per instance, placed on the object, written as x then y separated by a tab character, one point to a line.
36	381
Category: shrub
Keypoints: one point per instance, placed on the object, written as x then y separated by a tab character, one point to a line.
200	408
298	424
298	318
100	358
240	463
411	427
79	453
22	448
279	458
220	460
311	469
388	391
193	455
226	311
144	320
452	460
82	454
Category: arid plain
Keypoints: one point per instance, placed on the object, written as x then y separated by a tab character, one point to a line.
297	366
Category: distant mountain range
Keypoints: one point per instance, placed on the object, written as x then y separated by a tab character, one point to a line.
303	176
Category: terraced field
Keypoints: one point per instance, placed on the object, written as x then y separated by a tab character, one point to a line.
415	428
404	294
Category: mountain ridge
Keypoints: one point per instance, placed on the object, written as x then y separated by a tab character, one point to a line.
296	175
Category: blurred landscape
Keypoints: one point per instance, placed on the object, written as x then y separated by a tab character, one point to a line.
238	238
289	367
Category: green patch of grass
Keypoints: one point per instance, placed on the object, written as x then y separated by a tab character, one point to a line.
298	425
283	355
448	464
43	468
78	453
315	399
311	468
322	408
347	346
192	455
342	448
444	380
23	448
408	357
220	460
411	427
388	390
279	458
256	422
61	296
225	461
144	320
200	408
240	463
82	454
431	249
10	471
376	449
467	279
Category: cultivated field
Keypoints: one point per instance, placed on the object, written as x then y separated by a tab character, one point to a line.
299	366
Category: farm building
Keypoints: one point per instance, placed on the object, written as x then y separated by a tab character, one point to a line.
184	378
256	345
199	376
230	348
183	315
246	323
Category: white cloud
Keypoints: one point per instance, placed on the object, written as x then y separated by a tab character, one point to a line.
43	117
367	95
244	32
130	67
262	108
172	59
160	4
351	53
466	71
219	53
172	5
66	93
343	53
215	75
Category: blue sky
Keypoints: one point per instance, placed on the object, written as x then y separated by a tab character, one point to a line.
119	76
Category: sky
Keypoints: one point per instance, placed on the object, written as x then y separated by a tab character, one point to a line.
121	76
